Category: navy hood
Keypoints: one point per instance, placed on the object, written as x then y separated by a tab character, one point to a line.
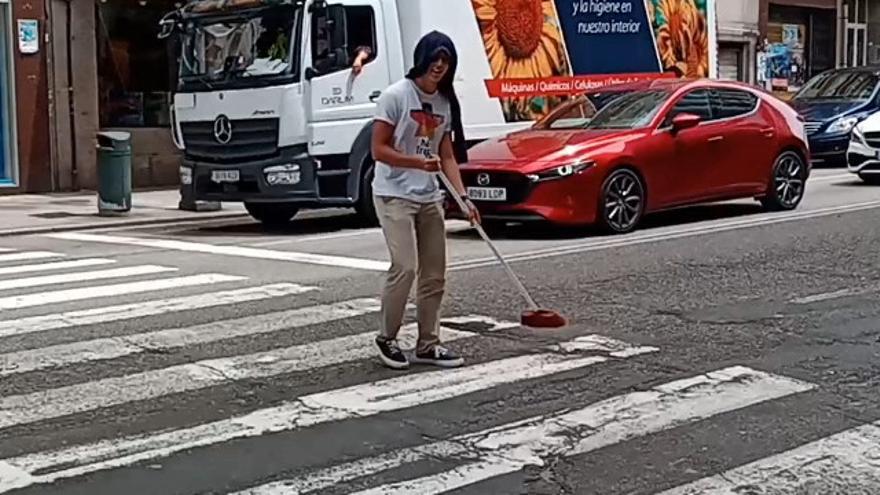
431	46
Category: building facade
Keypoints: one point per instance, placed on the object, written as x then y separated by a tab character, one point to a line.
738	38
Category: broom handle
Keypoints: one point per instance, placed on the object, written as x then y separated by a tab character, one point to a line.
464	208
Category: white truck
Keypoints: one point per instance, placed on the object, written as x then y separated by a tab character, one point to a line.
270	110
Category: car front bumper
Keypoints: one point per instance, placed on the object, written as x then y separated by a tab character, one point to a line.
863	159
829	149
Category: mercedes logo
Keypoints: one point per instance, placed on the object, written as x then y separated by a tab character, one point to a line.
483	179
223	129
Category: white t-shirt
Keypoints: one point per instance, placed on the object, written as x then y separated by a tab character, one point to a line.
420	121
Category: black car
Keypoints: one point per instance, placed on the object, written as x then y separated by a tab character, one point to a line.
832	103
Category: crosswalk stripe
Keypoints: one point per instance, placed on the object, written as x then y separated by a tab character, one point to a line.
28	255
79	294
357	401
66	278
847	459
96	394
107	314
509	448
6	250
58	265
166	340
237	251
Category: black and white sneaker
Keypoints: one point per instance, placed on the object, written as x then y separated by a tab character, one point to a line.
390	354
439	356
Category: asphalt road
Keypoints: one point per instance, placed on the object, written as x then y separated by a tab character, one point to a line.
718	350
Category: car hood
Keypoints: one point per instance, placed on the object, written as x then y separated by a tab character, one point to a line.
822	110
537	148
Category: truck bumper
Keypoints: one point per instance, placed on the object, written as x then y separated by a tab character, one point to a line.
290	177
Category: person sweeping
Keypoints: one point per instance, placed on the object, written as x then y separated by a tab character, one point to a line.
417	133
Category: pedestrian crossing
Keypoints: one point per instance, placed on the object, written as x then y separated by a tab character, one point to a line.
317	334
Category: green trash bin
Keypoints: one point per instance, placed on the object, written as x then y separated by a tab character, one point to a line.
114	173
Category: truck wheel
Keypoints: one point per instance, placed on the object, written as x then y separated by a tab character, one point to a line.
365	208
272	214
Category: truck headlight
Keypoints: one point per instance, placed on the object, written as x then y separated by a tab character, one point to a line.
282	175
561	172
186	175
842	125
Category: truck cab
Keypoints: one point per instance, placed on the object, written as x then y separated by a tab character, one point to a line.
268	110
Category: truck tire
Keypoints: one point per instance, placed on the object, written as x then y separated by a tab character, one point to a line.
365	208
272	214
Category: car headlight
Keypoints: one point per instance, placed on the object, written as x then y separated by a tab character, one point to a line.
278	175
842	125
561	172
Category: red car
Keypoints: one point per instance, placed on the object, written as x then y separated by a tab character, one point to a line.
649	146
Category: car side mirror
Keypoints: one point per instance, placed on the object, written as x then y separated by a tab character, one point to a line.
684	121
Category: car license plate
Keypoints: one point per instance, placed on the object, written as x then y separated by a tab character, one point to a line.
487	193
224	175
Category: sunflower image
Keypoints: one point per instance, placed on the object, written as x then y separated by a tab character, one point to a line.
682	36
522	39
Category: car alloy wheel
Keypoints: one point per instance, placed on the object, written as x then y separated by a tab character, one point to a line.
789	180
623	201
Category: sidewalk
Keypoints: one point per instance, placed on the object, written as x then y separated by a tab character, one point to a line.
39	213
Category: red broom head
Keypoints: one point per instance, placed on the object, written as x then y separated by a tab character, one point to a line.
542	318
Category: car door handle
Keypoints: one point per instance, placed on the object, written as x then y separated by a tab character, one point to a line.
375	95
715	139
768	132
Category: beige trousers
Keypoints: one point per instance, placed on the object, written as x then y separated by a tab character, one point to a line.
416	237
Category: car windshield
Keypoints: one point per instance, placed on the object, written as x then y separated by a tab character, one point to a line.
255	44
843	85
629	111
577	113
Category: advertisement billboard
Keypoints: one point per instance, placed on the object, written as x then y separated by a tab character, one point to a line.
540	51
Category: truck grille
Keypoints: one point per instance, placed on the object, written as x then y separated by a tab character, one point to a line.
812	127
251	139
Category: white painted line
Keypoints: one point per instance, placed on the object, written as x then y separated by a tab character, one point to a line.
829	178
66	278
509	448
357	401
28	255
108	314
850	459
6	250
238	251
648	237
825	296
114	391
58	265
168	340
452	226
70	295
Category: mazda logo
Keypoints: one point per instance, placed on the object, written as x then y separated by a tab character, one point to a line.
483	179
223	129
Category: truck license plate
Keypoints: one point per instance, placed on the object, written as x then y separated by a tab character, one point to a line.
224	175
487	193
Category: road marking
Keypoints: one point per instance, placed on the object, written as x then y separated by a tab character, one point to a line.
850	459
6	250
825	296
238	251
28	255
170	339
70	295
118	390
58	265
357	401
647	237
509	448
452	226
65	278
829	178
107	314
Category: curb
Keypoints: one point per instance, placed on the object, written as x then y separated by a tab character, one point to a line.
118	223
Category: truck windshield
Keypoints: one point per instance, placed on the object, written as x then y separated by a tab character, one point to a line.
629	111
254	44
840	85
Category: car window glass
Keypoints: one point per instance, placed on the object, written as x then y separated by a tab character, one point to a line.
728	103
695	102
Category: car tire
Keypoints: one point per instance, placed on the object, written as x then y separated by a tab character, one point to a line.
272	214
873	180
787	183
621	188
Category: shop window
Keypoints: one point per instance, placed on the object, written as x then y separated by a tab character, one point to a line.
136	70
339	39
